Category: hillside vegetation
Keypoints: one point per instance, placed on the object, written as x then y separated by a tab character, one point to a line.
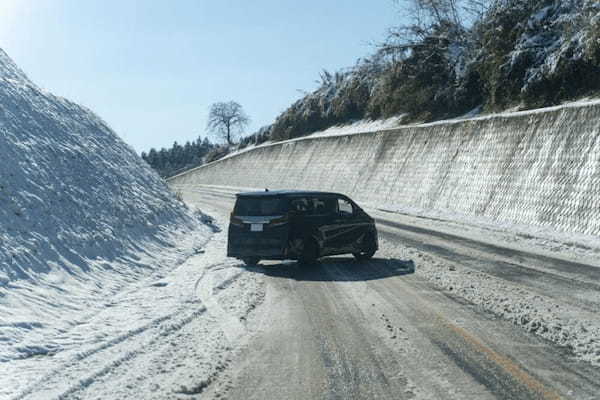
457	56
454	57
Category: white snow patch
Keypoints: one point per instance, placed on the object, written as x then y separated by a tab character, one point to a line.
166	336
360	127
85	227
563	324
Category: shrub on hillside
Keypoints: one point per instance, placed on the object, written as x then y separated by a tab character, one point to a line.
261	136
431	82
459	55
217	153
540	53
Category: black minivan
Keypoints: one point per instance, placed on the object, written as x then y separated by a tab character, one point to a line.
298	225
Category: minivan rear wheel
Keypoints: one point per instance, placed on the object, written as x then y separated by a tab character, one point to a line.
364	255
310	252
368	252
251	260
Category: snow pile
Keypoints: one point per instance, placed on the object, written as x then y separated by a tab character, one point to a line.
81	215
170	335
361	126
575	328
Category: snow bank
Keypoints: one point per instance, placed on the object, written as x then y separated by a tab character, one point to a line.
560	322
81	215
538	168
361	126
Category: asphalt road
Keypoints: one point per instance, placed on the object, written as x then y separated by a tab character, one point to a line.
377	330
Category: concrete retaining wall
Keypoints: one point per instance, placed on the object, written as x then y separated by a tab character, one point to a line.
540	169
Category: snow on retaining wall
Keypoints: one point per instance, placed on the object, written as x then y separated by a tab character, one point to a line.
533	168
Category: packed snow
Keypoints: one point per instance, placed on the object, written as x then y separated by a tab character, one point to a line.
572	326
168	335
361	126
90	237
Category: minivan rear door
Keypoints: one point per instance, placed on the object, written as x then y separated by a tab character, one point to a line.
259	227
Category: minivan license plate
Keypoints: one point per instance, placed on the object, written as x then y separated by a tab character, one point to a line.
256	227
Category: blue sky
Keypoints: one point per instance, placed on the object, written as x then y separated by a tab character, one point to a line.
151	69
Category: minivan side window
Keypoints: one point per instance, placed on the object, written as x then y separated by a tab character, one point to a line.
345	207
324	205
301	205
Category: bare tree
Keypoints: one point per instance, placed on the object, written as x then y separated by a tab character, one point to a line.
226	120
433	19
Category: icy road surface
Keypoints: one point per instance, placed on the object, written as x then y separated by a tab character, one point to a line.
432	316
437	314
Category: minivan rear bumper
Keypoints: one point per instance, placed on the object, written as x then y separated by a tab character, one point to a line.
269	244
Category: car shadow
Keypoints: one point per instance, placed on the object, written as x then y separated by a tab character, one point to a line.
336	269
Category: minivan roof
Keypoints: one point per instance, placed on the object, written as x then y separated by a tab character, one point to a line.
286	193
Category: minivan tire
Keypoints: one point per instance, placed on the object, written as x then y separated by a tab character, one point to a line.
368	253
364	255
310	252
251	261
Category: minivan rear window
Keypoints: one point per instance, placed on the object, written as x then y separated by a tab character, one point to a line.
259	207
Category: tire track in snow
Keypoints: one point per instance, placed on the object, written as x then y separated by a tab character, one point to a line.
84	383
75	363
229	329
52	380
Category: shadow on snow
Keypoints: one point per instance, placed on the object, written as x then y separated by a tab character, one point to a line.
336	269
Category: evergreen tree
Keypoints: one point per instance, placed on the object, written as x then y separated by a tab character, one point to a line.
177	158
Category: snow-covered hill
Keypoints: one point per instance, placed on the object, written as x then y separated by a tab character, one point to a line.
81	215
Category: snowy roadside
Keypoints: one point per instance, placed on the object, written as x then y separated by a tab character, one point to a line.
166	335
576	328
34	314
567	325
539	240
543	241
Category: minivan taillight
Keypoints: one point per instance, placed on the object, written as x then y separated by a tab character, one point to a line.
279	221
233	220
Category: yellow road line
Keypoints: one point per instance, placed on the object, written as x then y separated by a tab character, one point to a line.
507	365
